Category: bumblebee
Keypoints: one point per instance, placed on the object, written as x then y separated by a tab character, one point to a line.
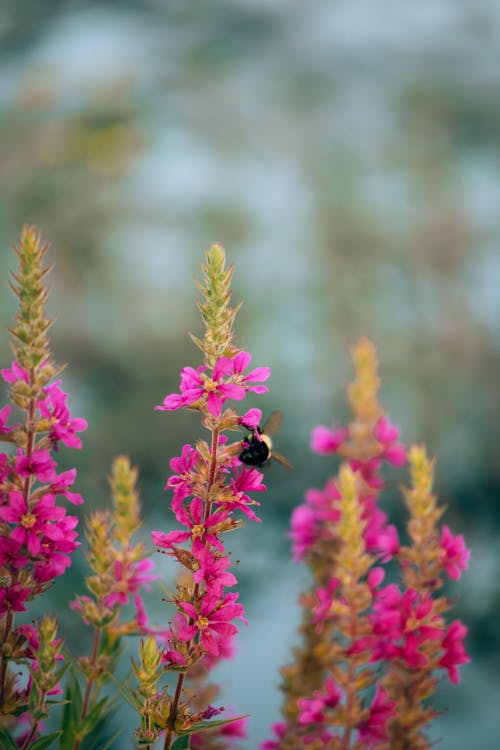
258	446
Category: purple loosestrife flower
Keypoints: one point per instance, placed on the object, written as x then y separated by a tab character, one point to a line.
37	538
358	632
211	495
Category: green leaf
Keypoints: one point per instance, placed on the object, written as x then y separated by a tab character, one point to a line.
130	695
205	726
110	741
71	713
44	742
182	743
6	741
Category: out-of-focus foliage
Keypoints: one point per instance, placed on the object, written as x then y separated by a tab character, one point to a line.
347	156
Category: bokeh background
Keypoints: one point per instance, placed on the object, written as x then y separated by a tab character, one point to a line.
347	154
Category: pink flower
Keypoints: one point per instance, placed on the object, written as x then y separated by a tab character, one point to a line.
63	427
312	710
14	373
325	600
40	464
279	730
226	382
212	621
387	434
212	569
304	530
129	579
4	416
373	730
33	525
403	624
236	729
12	598
246	480
326	441
181	482
60	483
455	553
10	553
251	419
198	527
455	654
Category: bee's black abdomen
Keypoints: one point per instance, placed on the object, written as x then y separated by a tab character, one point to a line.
256	453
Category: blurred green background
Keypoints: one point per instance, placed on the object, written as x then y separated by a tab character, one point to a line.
347	154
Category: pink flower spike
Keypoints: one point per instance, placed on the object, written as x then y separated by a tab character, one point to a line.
325	441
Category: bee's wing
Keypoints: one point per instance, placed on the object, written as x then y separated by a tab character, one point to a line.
282	460
273	422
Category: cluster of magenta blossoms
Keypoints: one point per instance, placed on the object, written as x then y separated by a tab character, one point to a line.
37	537
208	486
372	651
309	520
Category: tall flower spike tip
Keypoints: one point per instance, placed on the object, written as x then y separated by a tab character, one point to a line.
215	308
30	345
363	392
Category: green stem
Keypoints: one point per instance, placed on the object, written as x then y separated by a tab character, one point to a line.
89	685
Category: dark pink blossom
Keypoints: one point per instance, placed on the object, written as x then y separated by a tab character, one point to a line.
130	577
373	730
4	416
12	598
304	530
455	553
403	626
212	569
325	598
246	480
198	527
212	621
40	464
251	419
226	382
63	426
388	434
60	483
455	654
14	373
33	526
182	481
326	441
279	731
312	710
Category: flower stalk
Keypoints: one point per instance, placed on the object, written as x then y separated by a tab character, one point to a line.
209	485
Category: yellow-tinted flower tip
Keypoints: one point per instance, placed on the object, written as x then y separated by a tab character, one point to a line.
363	392
215	307
31	345
123	481
352	558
